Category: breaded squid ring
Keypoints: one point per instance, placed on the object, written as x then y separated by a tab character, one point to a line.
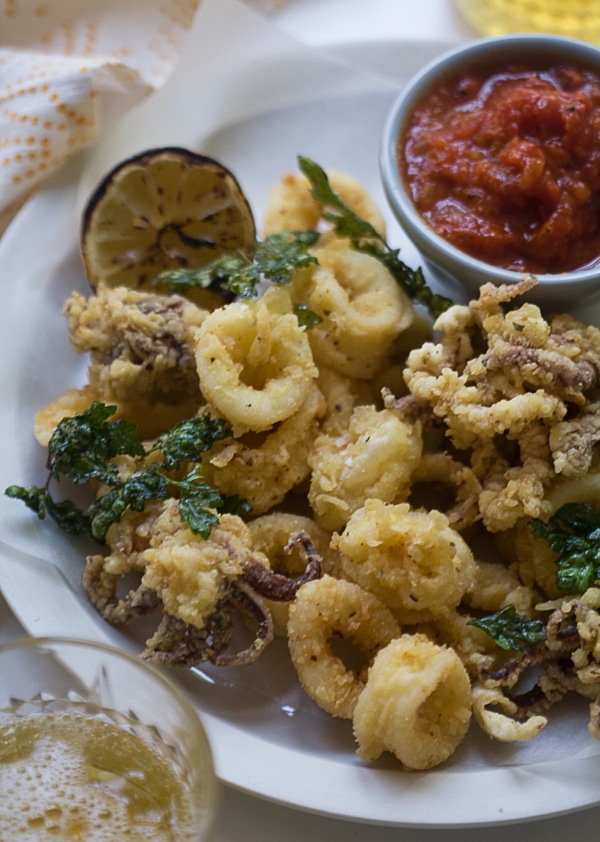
328	608
263	469
270	536
291	207
373	458
254	362
361	306
416	704
441	469
412	561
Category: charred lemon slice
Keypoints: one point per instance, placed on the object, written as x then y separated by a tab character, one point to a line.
165	208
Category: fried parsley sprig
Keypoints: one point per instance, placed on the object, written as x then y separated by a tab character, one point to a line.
82	450
364	238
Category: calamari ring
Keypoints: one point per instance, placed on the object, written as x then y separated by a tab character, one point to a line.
416	703
373	458
328	608
264	468
270	535
412	561
442	469
361	306
254	362
291	207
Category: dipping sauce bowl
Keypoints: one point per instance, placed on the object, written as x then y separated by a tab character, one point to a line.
490	160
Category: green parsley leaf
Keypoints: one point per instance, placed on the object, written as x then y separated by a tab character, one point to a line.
135	492
80	455
573	532
365	238
306	317
199	503
189	439
273	260
65	513
81	446
510	630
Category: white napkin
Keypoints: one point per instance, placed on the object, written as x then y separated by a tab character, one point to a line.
68	68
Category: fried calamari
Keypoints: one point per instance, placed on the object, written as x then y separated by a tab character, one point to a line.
512	391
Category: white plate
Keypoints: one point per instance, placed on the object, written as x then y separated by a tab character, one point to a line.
267	736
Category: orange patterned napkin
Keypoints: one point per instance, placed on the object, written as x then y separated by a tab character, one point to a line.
70	67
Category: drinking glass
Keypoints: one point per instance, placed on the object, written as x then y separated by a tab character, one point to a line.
98	744
573	18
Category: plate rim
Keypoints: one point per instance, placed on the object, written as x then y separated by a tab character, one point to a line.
237	767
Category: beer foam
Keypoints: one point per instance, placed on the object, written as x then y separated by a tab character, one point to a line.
75	777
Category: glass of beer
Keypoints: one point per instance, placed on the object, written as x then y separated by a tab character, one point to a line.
572	18
96	744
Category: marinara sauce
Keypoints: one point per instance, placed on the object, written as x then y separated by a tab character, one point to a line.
505	165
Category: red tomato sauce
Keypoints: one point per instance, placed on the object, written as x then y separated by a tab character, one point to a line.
506	166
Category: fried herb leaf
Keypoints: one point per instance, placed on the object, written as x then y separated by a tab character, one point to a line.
199	503
80	454
187	440
82	446
511	630
65	513
573	532
306	317
365	238
273	259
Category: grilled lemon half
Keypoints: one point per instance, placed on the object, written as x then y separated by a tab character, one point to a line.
165	208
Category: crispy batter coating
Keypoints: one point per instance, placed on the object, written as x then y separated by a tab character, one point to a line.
141	345
263	468
323	610
414	562
416	704
374	457
514	391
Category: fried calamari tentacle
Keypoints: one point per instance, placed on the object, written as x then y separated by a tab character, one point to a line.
327	609
517	403
246	599
573	630
572	442
276	536
179	644
276	586
495	713
101	587
512	491
141	344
